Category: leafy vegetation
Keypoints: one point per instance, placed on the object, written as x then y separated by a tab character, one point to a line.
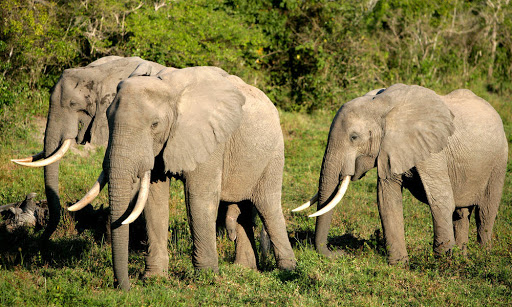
307	56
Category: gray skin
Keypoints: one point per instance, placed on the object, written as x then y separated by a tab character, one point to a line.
77	111
218	135
449	151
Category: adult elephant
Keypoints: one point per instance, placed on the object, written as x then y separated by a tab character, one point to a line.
449	151
218	135
77	113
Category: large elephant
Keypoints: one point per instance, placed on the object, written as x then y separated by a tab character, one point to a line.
218	135
77	110
449	151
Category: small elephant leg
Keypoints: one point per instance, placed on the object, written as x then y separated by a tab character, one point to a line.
461	218
156	213
438	188
245	247
267	200
389	200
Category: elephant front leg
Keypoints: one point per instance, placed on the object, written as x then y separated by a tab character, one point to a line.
389	200
202	196
156	213
438	189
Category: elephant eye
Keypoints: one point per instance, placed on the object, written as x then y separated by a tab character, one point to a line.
353	137
154	125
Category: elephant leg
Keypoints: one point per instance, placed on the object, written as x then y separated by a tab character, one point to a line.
265	244
245	246
156	213
202	197
487	209
389	200
438	189
267	200
461	218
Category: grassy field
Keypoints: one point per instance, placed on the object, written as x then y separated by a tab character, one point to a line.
76	269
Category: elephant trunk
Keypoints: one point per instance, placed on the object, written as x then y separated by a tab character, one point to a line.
329	180
119	191
51	185
122	171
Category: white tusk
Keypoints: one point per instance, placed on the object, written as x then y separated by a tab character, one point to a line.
313	200
37	156
141	200
53	158
91	195
337	198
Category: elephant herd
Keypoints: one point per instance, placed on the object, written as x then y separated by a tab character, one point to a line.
222	138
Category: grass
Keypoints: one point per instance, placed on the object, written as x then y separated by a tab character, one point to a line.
76	269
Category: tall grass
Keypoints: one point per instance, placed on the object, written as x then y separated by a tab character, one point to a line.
76	269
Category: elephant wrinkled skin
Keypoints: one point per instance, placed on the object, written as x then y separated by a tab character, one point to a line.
449	151
218	135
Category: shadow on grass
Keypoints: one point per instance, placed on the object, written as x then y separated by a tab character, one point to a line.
347	244
76	235
25	248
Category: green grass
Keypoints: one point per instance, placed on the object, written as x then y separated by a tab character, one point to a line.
76	269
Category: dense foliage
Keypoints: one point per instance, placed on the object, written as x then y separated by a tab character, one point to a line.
305	55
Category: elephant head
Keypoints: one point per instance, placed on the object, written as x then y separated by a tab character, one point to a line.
391	129
77	113
163	125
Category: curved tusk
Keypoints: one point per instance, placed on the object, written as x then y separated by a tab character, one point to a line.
313	200
53	158
37	156
141	199
337	198
91	195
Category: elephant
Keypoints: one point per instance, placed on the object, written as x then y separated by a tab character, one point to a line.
221	137
449	151
77	112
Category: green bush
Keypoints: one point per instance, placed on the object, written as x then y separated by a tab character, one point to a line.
306	55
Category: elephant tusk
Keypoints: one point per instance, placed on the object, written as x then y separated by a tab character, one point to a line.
141	200
53	158
91	195
337	198
313	200
37	156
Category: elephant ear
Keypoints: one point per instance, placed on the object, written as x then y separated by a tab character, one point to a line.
208	112
417	125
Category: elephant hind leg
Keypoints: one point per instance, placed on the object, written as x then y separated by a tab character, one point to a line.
461	217
487	208
267	200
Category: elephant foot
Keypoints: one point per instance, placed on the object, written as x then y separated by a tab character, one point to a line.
206	269
323	250
246	259
402	261
444	248
287	264
152	273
